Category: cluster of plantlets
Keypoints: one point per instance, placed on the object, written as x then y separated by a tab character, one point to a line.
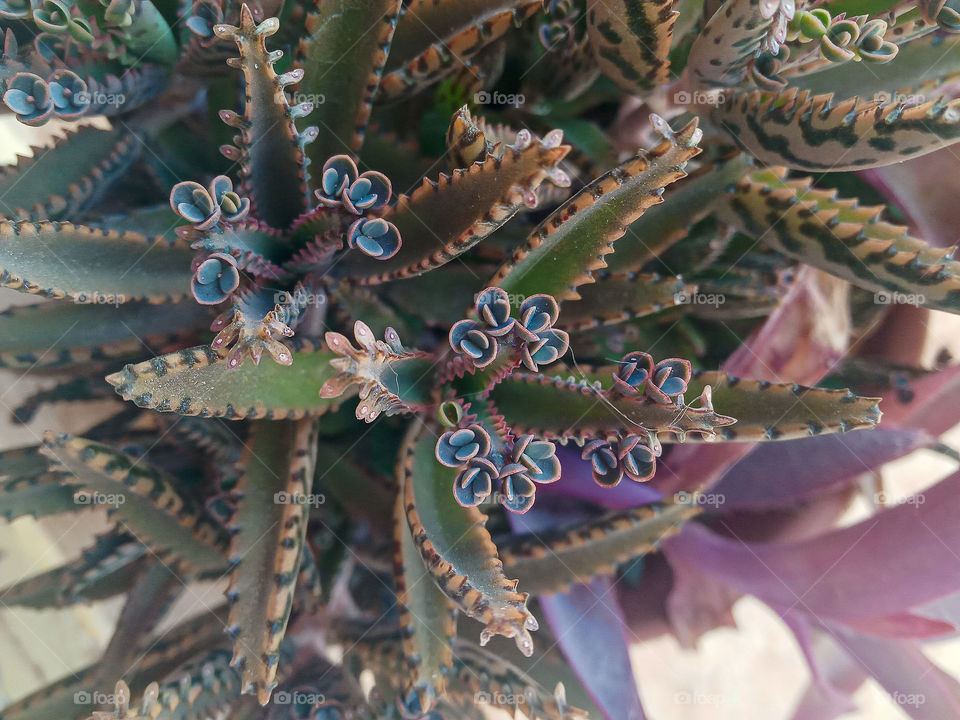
534	272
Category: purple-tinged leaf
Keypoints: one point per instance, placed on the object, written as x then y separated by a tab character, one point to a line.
837	576
590	629
817	464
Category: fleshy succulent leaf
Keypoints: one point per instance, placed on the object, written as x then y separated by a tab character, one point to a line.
198	381
632	40
456	547
343	50
431	35
144	498
812	132
584	229
464	208
271	156
269	529
844	238
60	334
84	264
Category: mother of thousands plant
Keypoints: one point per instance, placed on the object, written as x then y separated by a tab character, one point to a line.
311	215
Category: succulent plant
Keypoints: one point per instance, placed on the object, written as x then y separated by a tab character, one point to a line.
491	321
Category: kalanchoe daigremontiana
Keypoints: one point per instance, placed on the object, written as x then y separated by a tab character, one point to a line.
536	280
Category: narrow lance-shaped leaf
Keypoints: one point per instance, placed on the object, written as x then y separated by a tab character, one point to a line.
552	561
488	672
199	382
142	499
443	219
61	334
567	247
36	495
60	181
147	602
568	407
811	132
205	688
432	35
618	297
342	53
631	39
88	265
23	462
270	152
843	238
456	547
429	621
919	63
733	37
269	529
109	567
662	226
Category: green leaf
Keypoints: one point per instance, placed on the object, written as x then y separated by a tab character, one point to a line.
567	247
141	498
155	589
198	382
88	265
920	62
23	462
151	221
108	568
270	152
552	562
61	334
618	297
146	35
443	219
63	180
205	688
810	132
729	42
37	495
556	407
268	528
343	52
434	36
843	238
632	41
663	226
428	619
456	547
